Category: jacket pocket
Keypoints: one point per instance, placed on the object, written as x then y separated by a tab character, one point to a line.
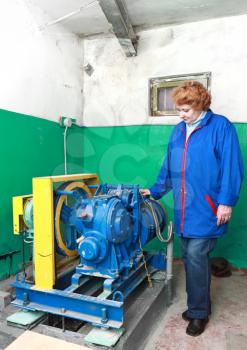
211	203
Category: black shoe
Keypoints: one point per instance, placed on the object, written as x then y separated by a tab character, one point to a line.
196	326
185	317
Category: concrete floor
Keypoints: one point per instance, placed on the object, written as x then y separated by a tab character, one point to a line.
227	328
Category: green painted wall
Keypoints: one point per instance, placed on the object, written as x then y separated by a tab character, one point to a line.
29	147
32	147
133	154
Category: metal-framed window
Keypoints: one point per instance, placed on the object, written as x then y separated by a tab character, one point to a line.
160	90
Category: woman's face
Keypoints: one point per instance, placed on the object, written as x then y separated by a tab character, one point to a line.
188	114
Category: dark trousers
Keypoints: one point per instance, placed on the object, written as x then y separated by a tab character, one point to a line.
195	253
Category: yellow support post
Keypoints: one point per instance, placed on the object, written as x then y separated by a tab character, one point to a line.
43	212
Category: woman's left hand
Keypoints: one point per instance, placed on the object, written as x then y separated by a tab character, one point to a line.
224	214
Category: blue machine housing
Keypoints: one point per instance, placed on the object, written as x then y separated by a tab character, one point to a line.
109	231
111	228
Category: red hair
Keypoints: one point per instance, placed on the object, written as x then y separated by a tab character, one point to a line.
192	93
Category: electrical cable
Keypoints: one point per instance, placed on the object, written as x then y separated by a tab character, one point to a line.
63	18
157	225
65	150
150	283
23	256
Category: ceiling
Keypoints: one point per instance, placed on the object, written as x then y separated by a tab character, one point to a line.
85	17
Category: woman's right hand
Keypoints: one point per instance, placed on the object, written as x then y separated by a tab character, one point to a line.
145	192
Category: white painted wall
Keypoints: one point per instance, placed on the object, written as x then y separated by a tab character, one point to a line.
40	68
117	92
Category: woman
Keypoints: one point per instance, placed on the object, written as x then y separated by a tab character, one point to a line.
204	169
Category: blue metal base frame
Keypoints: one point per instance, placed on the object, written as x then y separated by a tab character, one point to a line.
66	303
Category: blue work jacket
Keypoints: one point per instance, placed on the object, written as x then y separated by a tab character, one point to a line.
203	172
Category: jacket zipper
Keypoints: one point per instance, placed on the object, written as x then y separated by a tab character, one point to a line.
183	178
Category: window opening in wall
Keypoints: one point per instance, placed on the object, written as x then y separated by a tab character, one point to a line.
160	91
